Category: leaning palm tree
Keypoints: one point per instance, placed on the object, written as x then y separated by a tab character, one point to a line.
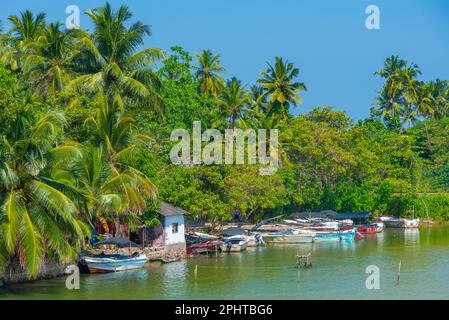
18	42
38	216
279	85
208	72
49	69
108	62
233	100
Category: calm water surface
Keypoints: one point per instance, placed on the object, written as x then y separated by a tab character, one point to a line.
269	273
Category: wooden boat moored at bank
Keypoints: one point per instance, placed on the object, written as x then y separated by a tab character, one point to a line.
102	263
289	237
235	244
391	222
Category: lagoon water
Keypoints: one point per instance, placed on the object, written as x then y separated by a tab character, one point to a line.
338	272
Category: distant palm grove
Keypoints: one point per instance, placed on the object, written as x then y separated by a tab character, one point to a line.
86	118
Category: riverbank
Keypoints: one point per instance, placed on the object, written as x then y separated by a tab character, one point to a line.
51	269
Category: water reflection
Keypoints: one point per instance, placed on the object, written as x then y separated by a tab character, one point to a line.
411	237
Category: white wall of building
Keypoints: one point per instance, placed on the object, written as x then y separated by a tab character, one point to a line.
174	238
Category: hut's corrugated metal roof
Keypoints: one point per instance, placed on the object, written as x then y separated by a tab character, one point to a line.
167	210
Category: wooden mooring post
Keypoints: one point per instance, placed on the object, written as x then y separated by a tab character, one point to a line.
195	272
307	263
307	258
398	281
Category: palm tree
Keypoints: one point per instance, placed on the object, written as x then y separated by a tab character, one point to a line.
399	93
110	194
390	96
257	91
208	72
118	137
424	104
439	91
48	70
234	99
410	93
38	216
108	61
26	29
279	85
27	26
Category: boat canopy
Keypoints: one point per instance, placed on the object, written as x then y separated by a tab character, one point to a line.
119	242
329	214
233	231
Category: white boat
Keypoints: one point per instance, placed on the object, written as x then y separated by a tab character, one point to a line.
255	240
235	243
291	221
392	222
205	236
289	237
114	262
380	226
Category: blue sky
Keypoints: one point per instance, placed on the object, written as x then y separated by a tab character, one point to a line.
327	40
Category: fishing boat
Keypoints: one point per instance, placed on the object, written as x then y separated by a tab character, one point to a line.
255	240
348	234
102	263
380	226
391	222
329	236
205	236
368	229
236	243
289	237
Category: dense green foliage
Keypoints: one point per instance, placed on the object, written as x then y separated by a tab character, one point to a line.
86	119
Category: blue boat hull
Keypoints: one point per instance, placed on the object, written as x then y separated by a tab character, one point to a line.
335	236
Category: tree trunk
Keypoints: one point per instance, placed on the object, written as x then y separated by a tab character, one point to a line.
427	133
252	211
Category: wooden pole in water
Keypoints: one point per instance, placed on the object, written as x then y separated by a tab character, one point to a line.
298	276
195	272
399	274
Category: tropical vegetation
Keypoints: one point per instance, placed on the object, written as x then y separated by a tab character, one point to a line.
85	137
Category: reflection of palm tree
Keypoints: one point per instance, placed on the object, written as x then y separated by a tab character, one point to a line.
278	84
109	64
208	72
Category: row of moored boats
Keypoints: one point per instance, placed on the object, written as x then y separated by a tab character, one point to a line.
291	232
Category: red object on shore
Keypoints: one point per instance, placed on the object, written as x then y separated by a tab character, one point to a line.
210	247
